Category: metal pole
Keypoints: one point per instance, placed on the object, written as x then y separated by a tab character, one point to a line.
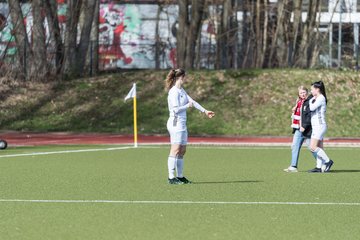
357	57
356	45
340	35
330	45
135	120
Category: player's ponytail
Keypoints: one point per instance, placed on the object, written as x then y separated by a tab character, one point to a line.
321	86
172	76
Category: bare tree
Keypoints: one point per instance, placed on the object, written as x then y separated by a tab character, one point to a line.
55	34
21	37
93	51
39	66
188	31
87	10
227	35
69	66
308	35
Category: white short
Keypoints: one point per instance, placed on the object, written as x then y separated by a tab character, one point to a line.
318	132
178	131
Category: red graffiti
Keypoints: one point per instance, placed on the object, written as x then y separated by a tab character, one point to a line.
114	52
172	57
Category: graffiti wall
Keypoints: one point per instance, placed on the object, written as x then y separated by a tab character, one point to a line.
127	34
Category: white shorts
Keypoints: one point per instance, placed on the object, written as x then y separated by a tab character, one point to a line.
178	132
318	132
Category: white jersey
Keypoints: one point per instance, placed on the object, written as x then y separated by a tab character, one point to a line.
318	110
178	102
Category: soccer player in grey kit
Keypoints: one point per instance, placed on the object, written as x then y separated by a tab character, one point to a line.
178	102
318	122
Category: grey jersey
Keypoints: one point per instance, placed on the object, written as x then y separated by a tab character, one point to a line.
178	102
318	110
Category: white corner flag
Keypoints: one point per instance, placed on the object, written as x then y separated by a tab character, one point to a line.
132	94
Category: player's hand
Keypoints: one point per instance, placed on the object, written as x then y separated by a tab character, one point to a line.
210	114
293	109
191	104
302	129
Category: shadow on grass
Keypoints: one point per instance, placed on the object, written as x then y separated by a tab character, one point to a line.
345	171
226	182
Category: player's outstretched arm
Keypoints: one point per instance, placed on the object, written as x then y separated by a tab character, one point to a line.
209	114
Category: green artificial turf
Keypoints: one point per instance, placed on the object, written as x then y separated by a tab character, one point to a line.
220	174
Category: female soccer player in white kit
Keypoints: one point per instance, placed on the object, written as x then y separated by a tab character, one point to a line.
318	122
178	102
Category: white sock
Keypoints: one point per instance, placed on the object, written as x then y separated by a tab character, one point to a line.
319	162
171	167
321	153
180	167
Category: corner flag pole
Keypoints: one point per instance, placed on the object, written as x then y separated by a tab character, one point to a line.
135	120
132	94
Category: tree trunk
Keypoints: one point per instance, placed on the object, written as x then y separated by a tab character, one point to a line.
95	39
277	45
39	66
258	34
265	34
307	39
21	38
226	39
157	38
220	41
188	32
55	35
88	10
246	28
235	37
69	67
198	52
296	29
181	33
197	11
252	43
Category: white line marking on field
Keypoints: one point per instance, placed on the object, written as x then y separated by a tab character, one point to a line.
213	147
64	151
256	145
148	147
180	202
240	147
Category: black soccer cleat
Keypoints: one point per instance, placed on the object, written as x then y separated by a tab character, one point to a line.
184	180
328	165
315	170
175	181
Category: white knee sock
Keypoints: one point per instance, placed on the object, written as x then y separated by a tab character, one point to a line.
179	167
321	153
319	162
171	167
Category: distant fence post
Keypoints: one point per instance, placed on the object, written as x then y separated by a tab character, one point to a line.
357	57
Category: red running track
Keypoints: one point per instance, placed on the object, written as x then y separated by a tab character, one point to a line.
38	139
